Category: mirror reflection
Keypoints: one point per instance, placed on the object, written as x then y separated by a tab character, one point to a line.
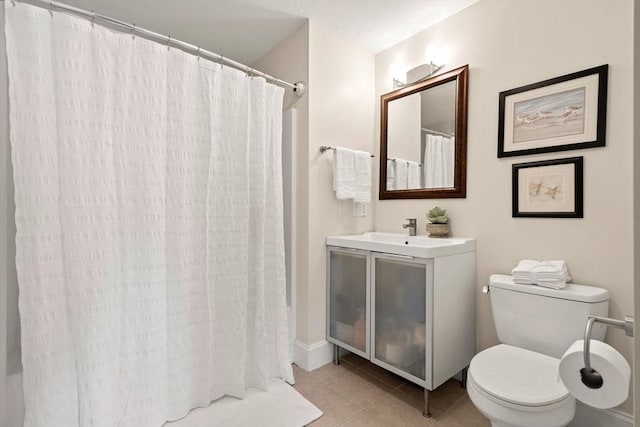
423	138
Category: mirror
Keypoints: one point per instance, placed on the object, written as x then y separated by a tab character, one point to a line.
423	139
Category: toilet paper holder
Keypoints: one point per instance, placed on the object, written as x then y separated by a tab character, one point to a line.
589	376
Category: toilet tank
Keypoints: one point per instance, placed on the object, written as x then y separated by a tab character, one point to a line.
545	320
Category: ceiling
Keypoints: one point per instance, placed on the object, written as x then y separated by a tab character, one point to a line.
245	30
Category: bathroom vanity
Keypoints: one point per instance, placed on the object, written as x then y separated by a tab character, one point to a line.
407	303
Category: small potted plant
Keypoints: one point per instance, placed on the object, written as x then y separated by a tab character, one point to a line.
439	222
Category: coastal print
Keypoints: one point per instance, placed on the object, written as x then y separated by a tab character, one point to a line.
548	189
549	116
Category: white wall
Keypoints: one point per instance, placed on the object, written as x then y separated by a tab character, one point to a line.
336	111
289	60
341	94
636	199
508	44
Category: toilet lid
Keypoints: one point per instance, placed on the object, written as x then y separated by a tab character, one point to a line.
518	376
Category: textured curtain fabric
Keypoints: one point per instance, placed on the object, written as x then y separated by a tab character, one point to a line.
149	218
438	165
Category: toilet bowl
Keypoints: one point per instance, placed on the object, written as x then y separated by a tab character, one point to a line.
515	387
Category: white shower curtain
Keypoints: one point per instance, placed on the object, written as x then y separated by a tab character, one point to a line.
438	164
149	221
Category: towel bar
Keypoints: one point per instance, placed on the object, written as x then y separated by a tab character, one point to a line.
324	148
393	159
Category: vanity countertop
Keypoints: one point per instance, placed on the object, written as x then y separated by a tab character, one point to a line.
402	244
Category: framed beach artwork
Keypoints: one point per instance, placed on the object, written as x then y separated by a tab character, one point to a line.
548	189
564	113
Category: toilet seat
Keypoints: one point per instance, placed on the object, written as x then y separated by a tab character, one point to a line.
514	387
513	376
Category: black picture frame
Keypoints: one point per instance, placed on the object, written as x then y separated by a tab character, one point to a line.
518	125
568	178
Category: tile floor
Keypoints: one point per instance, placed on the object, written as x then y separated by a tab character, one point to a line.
358	393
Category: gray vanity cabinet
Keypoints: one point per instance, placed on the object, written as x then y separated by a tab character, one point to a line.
412	316
348	299
401	289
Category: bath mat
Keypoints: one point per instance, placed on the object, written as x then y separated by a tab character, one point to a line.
281	406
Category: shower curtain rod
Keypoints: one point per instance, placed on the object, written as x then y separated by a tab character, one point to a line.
393	159
299	88
435	132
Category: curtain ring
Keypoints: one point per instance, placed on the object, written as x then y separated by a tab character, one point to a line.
13	2
133	31
198	53
221	62
51	7
169	42
93	18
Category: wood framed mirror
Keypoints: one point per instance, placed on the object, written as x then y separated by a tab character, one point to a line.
423	138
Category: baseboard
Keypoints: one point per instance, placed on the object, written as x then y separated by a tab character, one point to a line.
587	416
310	357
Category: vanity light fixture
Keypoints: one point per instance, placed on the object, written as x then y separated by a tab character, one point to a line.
433	68
398	75
398	83
415	74
422	72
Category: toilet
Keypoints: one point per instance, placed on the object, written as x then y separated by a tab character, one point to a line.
516	383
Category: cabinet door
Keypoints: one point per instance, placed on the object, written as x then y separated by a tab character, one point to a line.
401	313
347	302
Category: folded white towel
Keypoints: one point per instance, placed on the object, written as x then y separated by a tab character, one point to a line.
344	173
362	177
552	274
391	175
401	174
413	175
526	265
554	284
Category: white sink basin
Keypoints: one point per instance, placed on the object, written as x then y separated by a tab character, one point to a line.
402	244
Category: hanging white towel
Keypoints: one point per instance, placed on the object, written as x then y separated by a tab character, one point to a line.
413	175
352	178
391	175
401	174
344	173
362	177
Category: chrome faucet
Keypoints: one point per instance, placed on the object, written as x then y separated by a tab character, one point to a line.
411	226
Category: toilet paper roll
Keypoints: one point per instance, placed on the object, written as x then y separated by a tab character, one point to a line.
610	364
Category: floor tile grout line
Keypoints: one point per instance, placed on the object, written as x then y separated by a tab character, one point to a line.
356	413
453	405
379	399
380	379
398	386
392	387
